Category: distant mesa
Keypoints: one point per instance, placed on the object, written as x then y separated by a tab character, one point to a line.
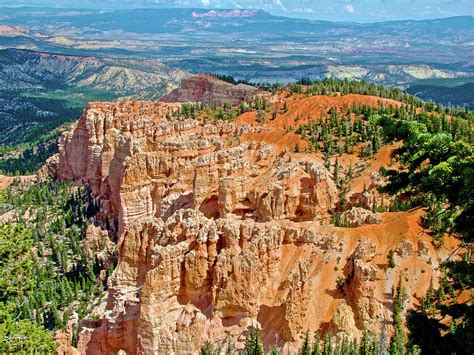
232	13
9	31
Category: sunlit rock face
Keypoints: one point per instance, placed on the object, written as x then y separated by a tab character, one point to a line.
204	87
216	233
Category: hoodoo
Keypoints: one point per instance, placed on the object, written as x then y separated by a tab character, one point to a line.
223	226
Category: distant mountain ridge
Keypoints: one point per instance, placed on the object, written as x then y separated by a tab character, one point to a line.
251	45
26	69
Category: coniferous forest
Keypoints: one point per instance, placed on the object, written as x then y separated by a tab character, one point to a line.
45	275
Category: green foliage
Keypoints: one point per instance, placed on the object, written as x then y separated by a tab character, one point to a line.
24	336
226	112
328	345
391	259
428	328
437	153
437	168
431	337
333	86
338	133
30	125
316	349
17	264
341	283
207	349
344	347
219	114
190	110
437	158
460	273
27	158
253	343
230	79
398	344
306	348
44	273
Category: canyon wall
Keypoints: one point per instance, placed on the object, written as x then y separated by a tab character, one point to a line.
219	230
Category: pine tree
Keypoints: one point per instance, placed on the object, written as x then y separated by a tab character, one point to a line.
391	259
230	348
347	146
327	348
366	347
399	339
350	171
345	346
336	172
316	350
426	303
207	349
306	348
253	343
414	350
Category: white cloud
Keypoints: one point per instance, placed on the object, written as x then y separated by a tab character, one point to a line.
279	4
303	10
379	13
206	2
349	8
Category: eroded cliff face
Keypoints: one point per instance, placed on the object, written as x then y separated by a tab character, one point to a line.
207	88
218	230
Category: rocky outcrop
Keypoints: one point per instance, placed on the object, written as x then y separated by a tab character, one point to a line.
49	168
216	234
205	88
358	216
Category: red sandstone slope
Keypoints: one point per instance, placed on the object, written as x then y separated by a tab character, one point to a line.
222	225
205	88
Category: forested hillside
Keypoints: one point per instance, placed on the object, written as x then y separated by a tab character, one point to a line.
45	273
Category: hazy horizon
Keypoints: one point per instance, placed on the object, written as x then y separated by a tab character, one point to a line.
338	10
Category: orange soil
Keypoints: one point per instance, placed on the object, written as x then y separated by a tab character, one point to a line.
380	159
4	181
314	107
301	109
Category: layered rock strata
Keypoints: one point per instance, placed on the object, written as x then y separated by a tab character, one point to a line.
206	88
216	234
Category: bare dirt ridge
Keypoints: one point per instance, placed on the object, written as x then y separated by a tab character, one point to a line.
221	226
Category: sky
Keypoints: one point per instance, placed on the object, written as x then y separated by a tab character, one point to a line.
333	10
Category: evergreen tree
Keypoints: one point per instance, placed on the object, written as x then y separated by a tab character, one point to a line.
399	339
336	172
253	343
306	347
327	347
207	349
316	350
350	171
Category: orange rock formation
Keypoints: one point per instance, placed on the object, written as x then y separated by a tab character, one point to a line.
220	227
204	87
